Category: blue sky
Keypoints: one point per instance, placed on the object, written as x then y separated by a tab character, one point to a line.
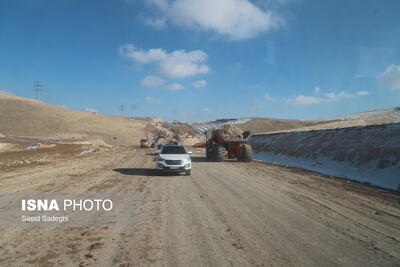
200	60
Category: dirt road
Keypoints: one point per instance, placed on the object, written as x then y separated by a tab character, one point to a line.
227	213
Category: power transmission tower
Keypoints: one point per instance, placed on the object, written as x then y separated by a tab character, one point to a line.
36	88
122	109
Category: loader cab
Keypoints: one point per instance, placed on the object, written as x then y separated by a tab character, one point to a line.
144	143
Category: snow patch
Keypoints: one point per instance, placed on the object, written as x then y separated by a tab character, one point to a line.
367	154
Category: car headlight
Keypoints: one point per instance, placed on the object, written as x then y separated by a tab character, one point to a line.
188	159
160	159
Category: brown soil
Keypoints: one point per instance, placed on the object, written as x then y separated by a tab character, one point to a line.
262	125
226	213
27	117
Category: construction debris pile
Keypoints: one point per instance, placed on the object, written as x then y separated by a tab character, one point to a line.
230	131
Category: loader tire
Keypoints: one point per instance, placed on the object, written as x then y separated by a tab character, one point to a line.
247	153
208	153
220	153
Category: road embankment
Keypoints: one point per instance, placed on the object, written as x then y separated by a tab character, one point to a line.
368	154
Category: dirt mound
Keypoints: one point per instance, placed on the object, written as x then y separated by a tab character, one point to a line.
230	131
31	118
182	129
190	141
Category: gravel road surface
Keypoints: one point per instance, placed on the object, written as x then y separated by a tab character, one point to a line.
226	213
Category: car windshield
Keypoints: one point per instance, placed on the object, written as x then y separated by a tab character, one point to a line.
173	150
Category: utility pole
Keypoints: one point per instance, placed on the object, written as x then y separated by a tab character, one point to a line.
122	109
36	88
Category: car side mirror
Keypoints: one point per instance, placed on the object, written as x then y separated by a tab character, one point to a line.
190	152
157	153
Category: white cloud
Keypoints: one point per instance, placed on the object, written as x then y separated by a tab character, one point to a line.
238	19
149	99
317	89
199	84
390	78
329	97
268	97
360	93
326	98
181	64
304	100
151	81
175	87
177	64
91	110
141	56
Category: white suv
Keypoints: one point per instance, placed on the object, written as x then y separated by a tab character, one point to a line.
174	158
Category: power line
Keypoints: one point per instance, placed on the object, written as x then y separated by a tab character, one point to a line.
36	88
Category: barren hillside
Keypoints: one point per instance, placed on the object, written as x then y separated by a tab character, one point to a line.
259	125
26	117
256	125
365	118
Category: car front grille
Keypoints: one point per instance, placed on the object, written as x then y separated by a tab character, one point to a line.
173	162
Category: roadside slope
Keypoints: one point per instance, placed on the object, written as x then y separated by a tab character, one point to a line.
28	117
368	154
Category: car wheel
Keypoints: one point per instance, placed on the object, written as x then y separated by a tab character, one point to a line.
188	172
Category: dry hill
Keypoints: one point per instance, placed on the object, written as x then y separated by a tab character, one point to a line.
365	118
26	117
260	125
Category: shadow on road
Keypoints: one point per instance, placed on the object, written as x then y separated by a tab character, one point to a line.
204	159
137	171
199	159
144	172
